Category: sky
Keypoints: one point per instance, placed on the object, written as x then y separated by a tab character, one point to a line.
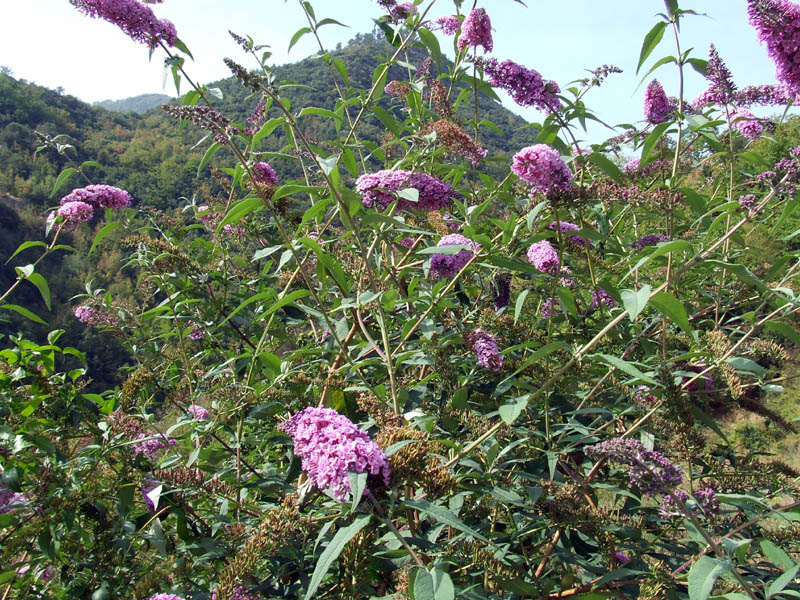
52	44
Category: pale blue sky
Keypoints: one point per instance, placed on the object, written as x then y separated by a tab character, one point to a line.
52	44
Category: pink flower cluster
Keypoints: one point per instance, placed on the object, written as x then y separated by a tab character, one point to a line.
99	196
766	95
379	189
544	257
152	444
657	107
746	123
486	351
649	239
165	597
134	18
600	298
778	25
542	167
447	265
331	446
93	317
199	412
7	497
526	86
239	593
565	226
265	174
476	31
402	10
448	25
196	334
651	471
73	213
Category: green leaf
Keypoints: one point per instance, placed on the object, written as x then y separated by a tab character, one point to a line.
104	231
332	552
785	330
41	283
212	150
651	141
704	574
608	167
297	35
448	249
510	412
567	298
776	587
423	585
520	302
328	164
25	246
278	304
635	301
432	44
627	367
239	210
24	312
651	40
776	554
538	355
62	179
358	483
661	249
443	515
671	307
443	588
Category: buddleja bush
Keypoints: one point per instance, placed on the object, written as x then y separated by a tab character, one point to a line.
387	374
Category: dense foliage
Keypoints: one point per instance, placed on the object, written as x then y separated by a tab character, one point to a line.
375	357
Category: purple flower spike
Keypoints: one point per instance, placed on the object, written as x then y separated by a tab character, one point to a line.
485	346
778	26
331	446
544	257
379	189
476	31
657	107
542	167
134	18
447	265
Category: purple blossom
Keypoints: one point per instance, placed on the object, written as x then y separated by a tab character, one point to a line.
778	26
486	351
621	557
165	597
746	123
196	334
265	174
447	265
668	509
93	317
631	166
402	10
448	25
525	86
73	213
148	487
600	297
152	444
707	96
657	107
649	239
722	86
8	498
544	257
565	226
476	30
330	446
542	167
546	310
239	593
379	189
406	242
205	214
199	412
765	95
134	18
748	201
99	196
501	290
707	500
649	470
